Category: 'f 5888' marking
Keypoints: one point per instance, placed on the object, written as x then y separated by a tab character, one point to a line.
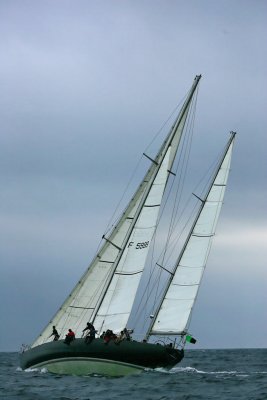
140	245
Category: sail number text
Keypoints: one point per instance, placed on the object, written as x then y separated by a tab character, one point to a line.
140	245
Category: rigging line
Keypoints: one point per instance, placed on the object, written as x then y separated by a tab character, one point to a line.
186	223
166	201
170	190
185	144
155	270
174	241
175	219
171	186
189	146
151	269
212	166
146	292
110	224
183	163
186	161
152	307
151	273
174	112
183	172
149	293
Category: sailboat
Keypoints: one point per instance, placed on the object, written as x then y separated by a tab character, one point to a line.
105	294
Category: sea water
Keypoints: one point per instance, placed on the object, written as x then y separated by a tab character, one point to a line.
203	374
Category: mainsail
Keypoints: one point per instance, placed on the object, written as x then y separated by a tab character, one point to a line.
173	314
106	292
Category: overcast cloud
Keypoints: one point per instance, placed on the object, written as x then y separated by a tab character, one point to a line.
85	85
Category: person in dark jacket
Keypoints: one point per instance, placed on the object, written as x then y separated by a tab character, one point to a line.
55	334
90	332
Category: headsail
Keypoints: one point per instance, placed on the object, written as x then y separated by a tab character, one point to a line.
105	294
175	309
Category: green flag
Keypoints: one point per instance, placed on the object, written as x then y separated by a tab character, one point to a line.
190	339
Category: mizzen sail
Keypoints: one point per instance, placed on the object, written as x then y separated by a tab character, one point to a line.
173	315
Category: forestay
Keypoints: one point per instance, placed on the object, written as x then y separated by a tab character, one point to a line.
174	313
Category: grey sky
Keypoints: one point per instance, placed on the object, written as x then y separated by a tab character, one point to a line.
85	86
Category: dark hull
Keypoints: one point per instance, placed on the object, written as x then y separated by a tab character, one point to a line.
97	357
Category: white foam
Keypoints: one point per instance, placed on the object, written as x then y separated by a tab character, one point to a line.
191	370
41	371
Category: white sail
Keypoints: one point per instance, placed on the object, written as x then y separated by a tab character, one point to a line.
116	307
174	313
107	289
80	305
